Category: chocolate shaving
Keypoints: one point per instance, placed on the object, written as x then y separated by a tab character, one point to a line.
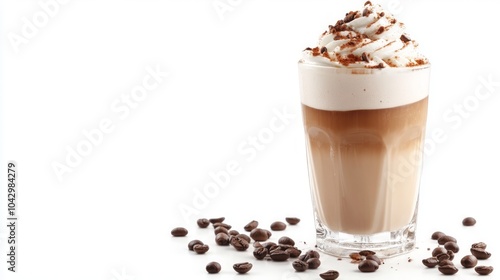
364	57
368	3
307	49
405	38
331	29
349	16
323	50
366	12
380	30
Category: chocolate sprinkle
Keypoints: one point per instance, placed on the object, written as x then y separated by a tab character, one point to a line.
380	30
405	38
323	50
364	57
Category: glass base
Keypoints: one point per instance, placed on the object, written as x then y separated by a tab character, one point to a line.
385	244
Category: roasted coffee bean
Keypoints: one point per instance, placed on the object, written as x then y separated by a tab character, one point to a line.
374	258
286	240
203	223
430	262
251	225
450	254
200	249
179	232
216	220
439	251
468	261
452	246
481	245
446	238
448	269
294	252
259	234
446	262
260	253
442	257
313	263
239	243
268	245
313	254
244	236
366	253
469	221
329	275
292	220
368	266
279	255
278	226
221	229
436	235
299	265
483	269
192	243
222	239
357	257
228	227
480	253
213	267
233	232
243	267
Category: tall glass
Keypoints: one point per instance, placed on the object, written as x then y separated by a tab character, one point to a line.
364	133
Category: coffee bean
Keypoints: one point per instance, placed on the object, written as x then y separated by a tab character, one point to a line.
228	227
203	223
259	234
240	244
213	267
448	269
430	262
244	236
243	267
292	220
329	275
200	249
192	243
313	254
445	238
450	254
260	253
233	232
286	240
221	229
366	253
268	245
438	251
179	232
357	257
368	266
480	253
452	246
299	265
469	221
481	245
446	262
442	257
483	269
278	226
216	220
251	225
313	263
468	261
279	255
222	239
294	252
436	235
374	258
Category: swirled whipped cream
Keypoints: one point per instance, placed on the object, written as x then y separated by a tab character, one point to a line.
370	38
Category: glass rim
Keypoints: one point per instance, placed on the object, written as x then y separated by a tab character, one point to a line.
362	70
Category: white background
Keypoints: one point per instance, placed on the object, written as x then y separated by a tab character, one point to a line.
232	71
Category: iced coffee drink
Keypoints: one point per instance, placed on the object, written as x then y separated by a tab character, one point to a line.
364	93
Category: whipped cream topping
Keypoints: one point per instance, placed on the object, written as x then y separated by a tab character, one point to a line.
370	38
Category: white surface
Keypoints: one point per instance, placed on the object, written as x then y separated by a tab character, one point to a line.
233	79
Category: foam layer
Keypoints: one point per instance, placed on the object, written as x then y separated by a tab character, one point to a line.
343	89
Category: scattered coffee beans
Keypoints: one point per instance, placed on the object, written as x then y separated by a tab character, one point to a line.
446	262
468	261
278	226
240	244
179	232
233	232
430	262
221	224
216	220
329	275
221	229
292	220
260	253
436	235
368	266
279	255
286	240
294	252
259	234
222	239
192	243
446	238
366	253
203	223
448	269
356	257
213	267
200	248
313	263
484	270
374	258
243	267
251	225
299	265
480	253
481	245
452	246
469	221
439	251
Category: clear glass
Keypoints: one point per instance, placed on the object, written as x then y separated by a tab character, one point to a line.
365	132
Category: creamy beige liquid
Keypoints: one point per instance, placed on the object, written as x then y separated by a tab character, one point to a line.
365	166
